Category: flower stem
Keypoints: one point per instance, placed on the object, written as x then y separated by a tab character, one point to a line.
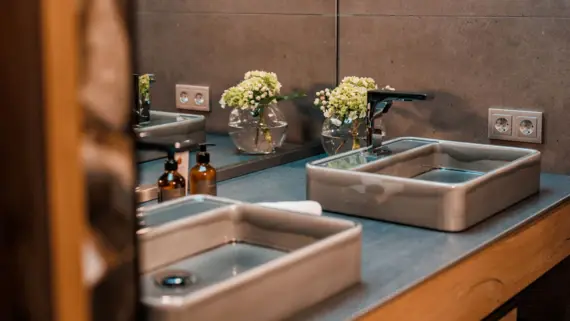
339	147
262	128
267	135
258	126
354	132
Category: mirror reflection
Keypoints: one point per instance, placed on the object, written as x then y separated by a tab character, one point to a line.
239	75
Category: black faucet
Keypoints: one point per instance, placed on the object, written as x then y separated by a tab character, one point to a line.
379	102
141	103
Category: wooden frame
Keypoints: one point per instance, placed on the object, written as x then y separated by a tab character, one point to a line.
65	183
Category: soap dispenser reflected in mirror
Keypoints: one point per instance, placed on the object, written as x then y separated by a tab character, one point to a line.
171	184
201	179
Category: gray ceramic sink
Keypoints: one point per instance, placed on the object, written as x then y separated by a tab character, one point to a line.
241	261
182	126
442	185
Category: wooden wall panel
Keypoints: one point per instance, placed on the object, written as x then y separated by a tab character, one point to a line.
24	236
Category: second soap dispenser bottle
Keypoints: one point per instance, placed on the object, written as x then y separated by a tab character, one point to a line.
203	175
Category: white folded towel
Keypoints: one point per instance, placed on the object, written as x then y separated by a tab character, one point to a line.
305	207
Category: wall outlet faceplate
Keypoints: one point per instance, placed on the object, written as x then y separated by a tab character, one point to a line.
192	97
515	125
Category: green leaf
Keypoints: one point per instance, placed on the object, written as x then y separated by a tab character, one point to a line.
291	96
256	112
267	100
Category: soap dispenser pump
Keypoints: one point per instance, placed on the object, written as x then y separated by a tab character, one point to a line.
203	175
171	184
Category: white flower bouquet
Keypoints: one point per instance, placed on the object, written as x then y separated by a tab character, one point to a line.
254	95
346	105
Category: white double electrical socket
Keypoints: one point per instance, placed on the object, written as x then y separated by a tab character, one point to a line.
192	97
515	125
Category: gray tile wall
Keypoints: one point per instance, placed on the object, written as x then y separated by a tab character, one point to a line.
473	54
214	42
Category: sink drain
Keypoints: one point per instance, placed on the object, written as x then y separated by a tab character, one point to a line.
174	279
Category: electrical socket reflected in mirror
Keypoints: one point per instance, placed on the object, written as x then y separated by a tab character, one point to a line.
192	97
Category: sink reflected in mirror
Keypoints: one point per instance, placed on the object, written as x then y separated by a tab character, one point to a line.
168	124
175	125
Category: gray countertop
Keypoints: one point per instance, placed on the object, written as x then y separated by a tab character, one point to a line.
394	257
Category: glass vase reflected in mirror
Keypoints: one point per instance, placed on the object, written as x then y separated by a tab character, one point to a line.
258	131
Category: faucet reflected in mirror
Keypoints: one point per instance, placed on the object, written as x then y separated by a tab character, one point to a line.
142	101
379	102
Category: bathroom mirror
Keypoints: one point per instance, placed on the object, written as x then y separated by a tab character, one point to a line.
196	49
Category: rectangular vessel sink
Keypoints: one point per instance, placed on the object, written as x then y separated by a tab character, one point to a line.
184	126
437	184
245	262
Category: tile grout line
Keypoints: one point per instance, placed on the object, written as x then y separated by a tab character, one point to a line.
221	13
385	15
337	15
337	41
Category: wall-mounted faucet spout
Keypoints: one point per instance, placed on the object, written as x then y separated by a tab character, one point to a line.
379	102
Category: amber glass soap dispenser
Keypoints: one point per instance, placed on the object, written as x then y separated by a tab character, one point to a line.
203	175
171	184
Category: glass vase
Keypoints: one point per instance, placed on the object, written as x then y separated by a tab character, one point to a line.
339	137
258	131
